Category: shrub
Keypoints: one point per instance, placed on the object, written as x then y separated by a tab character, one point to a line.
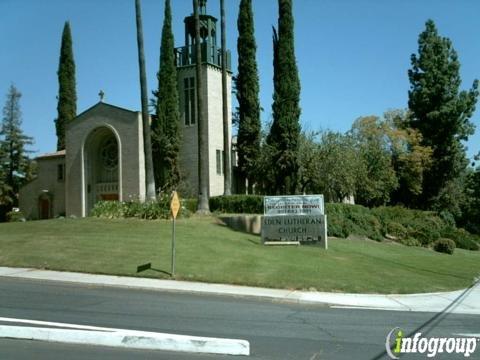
237	204
336	221
189	204
152	210
109	209
149	210
15	216
463	239
396	229
132	209
363	223
424	226
447	218
344	220
444	245
335	226
394	213
423	233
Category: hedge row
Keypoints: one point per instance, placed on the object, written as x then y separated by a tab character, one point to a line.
409	227
149	210
237	204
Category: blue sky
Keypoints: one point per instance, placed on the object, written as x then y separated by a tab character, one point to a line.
353	55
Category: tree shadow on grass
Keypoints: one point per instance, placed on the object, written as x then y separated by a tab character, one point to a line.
428	326
238	224
223	225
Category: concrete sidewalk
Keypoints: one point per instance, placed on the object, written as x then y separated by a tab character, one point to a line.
465	301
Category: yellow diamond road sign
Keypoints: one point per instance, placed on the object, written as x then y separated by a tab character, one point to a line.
175	205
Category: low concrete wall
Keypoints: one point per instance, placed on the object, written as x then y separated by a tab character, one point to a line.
251	224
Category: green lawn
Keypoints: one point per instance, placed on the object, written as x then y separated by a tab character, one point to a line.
210	252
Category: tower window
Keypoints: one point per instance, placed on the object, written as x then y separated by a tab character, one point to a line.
190	103
60	172
220	167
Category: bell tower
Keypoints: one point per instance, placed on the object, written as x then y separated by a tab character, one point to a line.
211	61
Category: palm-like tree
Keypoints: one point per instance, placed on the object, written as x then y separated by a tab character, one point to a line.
147	143
202	207
226	134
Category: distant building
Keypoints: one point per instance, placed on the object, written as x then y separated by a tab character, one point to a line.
104	158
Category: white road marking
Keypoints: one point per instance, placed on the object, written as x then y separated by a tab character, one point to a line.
56	324
92	335
468	335
366	308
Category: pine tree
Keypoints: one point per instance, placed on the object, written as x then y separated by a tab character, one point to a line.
441	112
147	142
5	189
471	208
285	131
165	132
247	88
14	163
67	95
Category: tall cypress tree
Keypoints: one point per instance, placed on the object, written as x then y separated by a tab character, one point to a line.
165	132
247	86
67	94
285	131
441	112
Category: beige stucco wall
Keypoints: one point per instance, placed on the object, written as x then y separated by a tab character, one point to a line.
45	183
127	127
212	111
189	140
71	196
215	125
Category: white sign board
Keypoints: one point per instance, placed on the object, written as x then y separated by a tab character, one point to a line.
294	205
294	219
301	228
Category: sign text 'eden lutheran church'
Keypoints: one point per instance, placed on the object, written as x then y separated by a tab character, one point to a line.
298	219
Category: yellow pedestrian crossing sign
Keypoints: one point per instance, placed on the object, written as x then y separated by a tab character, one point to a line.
175	204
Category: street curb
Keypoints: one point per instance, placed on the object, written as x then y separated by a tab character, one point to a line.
465	301
128	339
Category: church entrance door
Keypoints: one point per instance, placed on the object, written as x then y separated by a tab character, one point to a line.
102	167
44	206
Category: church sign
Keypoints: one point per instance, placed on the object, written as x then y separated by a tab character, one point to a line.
294	220
294	205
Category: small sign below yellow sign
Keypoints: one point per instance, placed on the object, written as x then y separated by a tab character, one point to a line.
175	204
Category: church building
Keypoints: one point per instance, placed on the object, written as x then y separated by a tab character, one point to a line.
104	158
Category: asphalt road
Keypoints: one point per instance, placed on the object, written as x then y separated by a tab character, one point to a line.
274	330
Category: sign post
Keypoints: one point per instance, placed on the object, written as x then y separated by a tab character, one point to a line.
174	207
